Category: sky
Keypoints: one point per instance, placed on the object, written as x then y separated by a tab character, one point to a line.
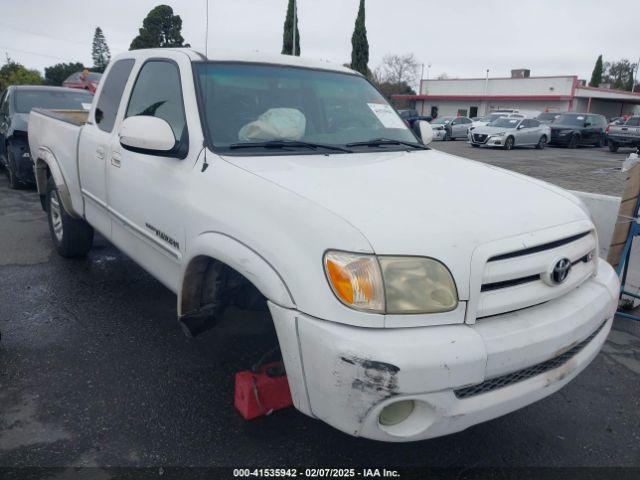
461	38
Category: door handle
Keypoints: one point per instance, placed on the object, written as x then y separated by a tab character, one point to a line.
100	153
116	160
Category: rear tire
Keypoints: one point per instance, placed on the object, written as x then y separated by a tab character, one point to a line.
613	146
72	237
542	142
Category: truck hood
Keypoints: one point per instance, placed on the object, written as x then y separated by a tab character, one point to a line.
421	202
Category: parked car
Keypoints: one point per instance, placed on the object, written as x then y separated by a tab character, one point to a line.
509	132
627	135
414	293
547	117
412	116
574	129
15	104
451	128
83	80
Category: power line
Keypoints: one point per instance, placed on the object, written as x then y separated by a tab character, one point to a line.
28	52
43	35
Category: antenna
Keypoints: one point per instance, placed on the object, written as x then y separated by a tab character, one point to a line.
205	164
206	31
295	25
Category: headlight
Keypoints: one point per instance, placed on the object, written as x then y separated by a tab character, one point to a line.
499	134
563	132
391	284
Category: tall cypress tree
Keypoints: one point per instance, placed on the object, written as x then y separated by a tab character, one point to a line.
360	44
100	51
287	36
596	76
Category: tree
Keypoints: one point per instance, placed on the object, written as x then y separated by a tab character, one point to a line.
398	69
620	74
360	44
100	51
13	73
287	35
58	73
160	29
390	89
596	76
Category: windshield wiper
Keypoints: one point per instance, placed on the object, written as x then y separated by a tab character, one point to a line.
376	142
288	143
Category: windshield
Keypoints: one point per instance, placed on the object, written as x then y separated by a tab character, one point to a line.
573	120
51	99
94	77
441	120
506	122
253	103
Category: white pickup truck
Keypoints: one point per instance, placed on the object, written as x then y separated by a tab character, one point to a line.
414	293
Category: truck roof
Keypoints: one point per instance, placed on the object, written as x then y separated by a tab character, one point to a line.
226	55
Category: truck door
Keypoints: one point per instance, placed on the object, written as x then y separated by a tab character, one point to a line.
95	145
147	191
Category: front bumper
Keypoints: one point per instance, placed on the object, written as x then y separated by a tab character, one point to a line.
560	140
346	375
24	168
489	141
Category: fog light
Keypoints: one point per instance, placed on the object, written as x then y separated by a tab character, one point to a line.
396	412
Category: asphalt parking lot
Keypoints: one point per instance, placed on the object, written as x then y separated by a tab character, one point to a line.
95	371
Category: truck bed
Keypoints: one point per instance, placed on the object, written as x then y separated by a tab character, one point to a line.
75	117
53	140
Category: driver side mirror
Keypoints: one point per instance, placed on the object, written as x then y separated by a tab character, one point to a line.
425	132
587	124
520	127
146	133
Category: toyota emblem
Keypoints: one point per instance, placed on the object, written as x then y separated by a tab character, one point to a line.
560	270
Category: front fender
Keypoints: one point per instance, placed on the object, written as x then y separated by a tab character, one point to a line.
45	159
244	260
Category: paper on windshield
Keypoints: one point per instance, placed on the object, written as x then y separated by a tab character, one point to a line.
387	115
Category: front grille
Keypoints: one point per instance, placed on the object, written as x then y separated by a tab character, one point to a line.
525	373
479	137
515	279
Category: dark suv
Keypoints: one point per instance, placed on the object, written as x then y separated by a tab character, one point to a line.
15	104
574	129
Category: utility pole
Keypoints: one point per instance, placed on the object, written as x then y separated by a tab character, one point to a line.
295	25
633	87
486	90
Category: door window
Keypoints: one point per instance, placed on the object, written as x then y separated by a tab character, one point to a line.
111	94
158	93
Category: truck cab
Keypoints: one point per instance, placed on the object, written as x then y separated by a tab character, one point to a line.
414	293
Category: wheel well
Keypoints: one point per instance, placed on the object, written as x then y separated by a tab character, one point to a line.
211	286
